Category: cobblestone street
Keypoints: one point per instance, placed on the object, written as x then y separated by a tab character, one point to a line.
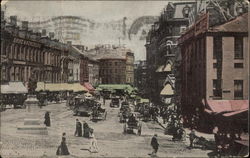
111	141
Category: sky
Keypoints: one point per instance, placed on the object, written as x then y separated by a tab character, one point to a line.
97	10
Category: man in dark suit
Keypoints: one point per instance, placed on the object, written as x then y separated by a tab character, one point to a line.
154	144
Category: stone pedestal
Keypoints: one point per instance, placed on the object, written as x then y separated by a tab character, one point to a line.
32	124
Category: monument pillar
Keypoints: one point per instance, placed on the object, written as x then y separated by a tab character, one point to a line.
32	124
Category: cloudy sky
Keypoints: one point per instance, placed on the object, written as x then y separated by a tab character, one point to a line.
96	10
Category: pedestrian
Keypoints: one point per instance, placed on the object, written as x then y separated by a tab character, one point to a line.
47	119
85	129
62	148
93	142
78	131
191	138
154	144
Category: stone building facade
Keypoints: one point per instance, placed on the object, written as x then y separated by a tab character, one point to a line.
25	54
161	45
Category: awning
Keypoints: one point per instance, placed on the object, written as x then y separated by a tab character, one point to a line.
160	68
227	107
164	68
88	86
125	87
235	113
167	90
40	86
144	100
13	88
219	106
167	68
55	87
77	87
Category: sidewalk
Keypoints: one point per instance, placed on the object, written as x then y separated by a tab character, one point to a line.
209	137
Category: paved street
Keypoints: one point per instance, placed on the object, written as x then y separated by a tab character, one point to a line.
111	141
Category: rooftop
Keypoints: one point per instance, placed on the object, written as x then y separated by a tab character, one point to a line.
239	24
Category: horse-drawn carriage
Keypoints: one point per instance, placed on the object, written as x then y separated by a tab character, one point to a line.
98	113
125	112
132	123
115	102
82	106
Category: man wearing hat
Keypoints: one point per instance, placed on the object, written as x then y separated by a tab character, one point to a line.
154	144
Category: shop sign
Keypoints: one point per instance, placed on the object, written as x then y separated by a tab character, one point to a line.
25	42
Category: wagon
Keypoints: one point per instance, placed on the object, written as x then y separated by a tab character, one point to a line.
115	102
98	114
83	106
129	126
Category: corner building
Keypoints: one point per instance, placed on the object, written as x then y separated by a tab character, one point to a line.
214	70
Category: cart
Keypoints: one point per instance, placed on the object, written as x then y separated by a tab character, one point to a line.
98	114
129	126
115	102
83	106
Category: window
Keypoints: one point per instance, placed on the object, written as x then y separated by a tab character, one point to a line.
238	65
217	50
238	89
217	92
238	48
214	65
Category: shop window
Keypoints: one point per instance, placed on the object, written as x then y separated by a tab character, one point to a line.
238	48
238	89
217	92
238	65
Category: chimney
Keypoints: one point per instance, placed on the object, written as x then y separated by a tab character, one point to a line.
43	32
13	20
25	25
51	35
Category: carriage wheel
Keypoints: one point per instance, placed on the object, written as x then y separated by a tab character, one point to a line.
125	129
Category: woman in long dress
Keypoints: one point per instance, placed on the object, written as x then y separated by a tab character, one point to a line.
93	142
63	149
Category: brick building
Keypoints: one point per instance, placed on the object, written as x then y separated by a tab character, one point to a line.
116	64
113	70
214	66
24	53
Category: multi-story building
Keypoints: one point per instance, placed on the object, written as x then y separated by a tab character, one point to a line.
113	70
161	45
140	75
214	66
25	54
93	66
116	64
74	64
